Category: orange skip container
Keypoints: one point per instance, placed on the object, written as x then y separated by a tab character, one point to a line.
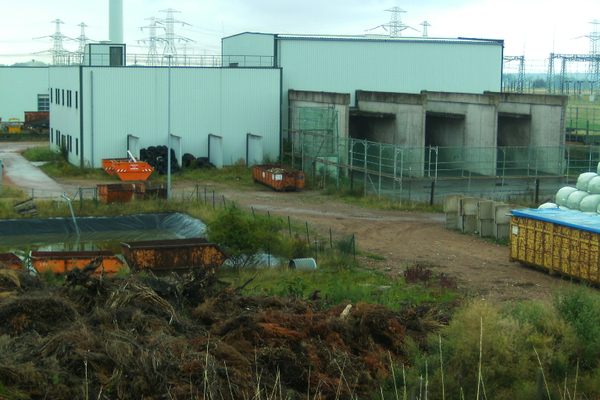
61	262
126	169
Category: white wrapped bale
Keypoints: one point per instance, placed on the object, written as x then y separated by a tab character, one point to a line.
547	206
563	194
584	180
598	170
590	203
594	185
575	199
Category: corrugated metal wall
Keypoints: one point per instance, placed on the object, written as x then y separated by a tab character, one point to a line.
227	102
248	49
65	111
389	66
19	87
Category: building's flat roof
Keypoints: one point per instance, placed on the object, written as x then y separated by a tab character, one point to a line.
376	38
569	218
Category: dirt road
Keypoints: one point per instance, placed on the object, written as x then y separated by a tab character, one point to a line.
481	267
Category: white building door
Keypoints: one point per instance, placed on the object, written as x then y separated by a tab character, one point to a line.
254	149
215	150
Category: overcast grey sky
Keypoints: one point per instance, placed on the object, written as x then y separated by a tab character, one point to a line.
530	27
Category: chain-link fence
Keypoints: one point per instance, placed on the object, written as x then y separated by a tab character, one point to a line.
425	173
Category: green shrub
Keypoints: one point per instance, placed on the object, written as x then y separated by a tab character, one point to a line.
580	308
243	235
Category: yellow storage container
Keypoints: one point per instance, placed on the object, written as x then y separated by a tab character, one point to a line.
560	241
14	129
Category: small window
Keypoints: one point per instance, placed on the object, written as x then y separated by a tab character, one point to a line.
63	96
57	96
51	96
76	146
43	102
76	99
51	134
68	98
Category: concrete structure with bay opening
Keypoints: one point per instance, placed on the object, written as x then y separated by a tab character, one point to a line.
477	134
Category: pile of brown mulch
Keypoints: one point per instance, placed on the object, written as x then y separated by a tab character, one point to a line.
188	337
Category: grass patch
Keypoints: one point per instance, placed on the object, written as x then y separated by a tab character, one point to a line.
235	175
62	169
11	193
382	203
337	282
42	153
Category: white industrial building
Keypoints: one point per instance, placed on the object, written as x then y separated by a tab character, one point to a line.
227	114
345	64
22	89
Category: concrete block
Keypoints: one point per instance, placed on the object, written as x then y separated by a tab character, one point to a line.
501	213
468	206
485	227
501	231
452	220
485	209
451	203
469	223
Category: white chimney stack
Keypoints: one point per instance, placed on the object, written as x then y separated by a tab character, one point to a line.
115	21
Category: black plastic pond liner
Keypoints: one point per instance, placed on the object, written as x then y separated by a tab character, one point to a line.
177	225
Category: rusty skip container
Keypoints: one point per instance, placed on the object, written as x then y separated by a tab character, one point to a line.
173	255
61	262
560	241
278	178
116	192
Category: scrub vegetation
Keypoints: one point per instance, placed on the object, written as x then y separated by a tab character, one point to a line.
278	333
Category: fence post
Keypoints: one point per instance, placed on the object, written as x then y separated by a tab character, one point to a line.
205	199
307	236
354	246
330	239
224	204
431	194
537	191
289	226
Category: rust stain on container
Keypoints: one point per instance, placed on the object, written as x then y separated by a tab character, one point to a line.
278	178
60	262
175	254
555	246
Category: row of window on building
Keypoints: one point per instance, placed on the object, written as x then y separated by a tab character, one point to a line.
64	141
64	97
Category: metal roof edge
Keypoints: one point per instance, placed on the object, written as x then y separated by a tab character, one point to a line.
248	33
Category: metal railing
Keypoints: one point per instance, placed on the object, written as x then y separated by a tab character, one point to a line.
381	167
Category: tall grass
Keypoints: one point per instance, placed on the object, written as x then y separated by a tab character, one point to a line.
42	153
529	350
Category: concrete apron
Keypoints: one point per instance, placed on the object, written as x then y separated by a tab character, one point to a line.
24	175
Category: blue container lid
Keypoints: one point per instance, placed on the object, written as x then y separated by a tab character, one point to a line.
570	218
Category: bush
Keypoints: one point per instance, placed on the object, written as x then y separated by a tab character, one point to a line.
243	236
581	309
